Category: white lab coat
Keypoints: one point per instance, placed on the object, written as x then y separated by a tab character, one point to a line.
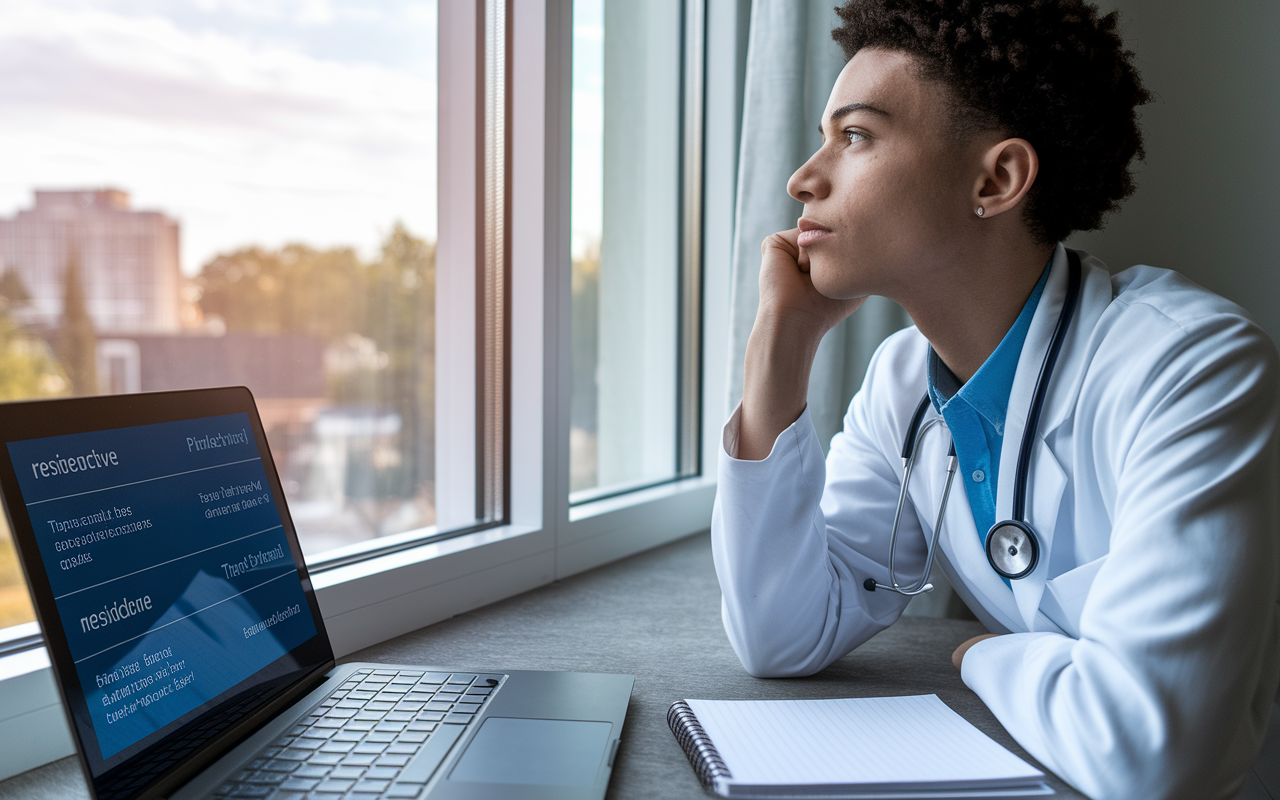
1146	644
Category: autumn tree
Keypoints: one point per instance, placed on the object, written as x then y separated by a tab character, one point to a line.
13	292
379	320
76	341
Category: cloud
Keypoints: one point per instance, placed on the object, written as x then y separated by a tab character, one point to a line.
246	139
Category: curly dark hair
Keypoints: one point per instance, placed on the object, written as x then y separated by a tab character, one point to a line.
1053	72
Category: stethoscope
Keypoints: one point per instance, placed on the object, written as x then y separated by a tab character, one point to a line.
1013	549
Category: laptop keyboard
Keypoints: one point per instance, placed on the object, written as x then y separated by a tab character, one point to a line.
382	733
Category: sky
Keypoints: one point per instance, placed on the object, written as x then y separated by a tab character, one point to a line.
251	122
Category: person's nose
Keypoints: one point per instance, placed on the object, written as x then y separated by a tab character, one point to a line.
809	183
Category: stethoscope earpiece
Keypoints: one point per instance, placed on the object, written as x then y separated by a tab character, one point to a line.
1013	550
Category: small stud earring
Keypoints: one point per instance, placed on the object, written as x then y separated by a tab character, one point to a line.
980	211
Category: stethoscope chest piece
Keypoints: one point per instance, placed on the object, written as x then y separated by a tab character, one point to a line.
1012	549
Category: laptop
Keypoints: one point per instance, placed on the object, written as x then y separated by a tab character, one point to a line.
189	649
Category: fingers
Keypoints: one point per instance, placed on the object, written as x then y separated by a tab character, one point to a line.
784	241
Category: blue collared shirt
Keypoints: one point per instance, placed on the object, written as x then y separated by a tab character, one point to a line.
975	412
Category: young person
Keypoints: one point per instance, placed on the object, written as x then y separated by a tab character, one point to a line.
1138	589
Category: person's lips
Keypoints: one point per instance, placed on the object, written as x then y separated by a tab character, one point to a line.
811	232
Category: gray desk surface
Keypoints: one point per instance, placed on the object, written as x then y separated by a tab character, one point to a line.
655	616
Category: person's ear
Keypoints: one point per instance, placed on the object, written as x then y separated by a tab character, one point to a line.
1008	170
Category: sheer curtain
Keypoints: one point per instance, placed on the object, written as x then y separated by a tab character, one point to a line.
792	63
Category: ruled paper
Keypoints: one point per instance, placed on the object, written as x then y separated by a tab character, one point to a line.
874	741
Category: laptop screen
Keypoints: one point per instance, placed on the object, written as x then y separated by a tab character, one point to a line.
171	571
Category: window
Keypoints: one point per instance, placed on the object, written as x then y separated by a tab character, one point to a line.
223	193
636	192
497	393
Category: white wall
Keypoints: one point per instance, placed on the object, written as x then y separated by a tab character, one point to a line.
1208	198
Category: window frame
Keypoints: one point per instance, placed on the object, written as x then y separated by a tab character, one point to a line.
544	539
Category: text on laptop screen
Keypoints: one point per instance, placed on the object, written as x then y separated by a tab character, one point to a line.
170	567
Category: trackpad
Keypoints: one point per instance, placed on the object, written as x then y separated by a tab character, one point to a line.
547	752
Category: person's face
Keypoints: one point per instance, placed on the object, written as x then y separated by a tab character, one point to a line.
886	196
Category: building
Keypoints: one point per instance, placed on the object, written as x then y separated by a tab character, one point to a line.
128	260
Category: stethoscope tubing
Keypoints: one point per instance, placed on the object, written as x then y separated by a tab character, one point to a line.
915	433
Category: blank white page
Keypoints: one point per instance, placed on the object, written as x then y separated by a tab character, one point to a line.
870	740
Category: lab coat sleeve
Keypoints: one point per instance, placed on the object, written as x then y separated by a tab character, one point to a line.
794	539
1166	692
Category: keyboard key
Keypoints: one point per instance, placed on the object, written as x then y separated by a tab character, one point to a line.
391	726
466	708
430	716
482	691
413	737
359	760
340	713
422	725
335	785
360	695
379	735
370	747
349	772
448	697
424	765
401	716
249	790
348	736
438	706
359	725
280	765
313	771
325	759
299	784
338	747
434	677
461	677
402	748
370	716
378	705
383	773
372	787
398	760
406	790
457	719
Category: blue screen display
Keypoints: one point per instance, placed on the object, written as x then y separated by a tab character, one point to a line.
171	570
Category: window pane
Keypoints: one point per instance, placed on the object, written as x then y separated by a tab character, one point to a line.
217	193
626	227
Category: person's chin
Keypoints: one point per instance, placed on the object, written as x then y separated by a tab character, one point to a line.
831	283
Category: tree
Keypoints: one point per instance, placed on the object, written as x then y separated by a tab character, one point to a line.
76	342
379	320
296	289
13	292
27	368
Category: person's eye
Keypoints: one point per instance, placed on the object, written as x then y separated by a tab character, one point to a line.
854	137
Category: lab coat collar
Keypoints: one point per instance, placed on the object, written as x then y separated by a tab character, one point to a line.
1047	481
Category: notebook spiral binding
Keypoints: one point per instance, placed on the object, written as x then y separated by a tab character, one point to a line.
702	754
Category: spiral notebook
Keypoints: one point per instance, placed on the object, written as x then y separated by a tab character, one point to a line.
872	747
